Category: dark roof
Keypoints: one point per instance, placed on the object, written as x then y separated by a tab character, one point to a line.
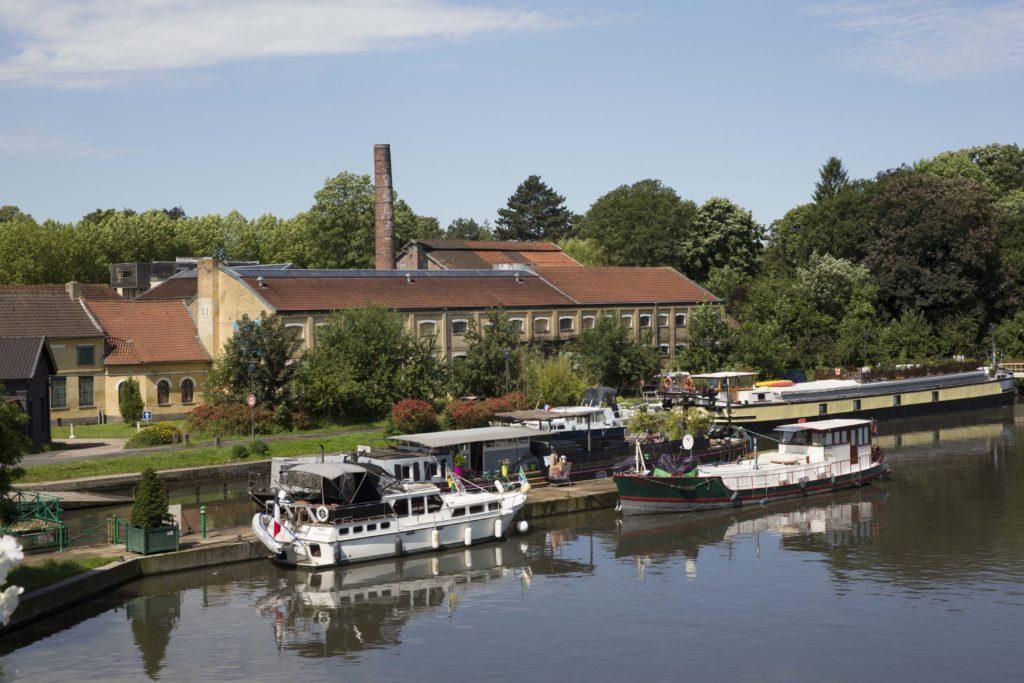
20	356
299	290
92	292
43	310
182	286
625	285
148	332
456	254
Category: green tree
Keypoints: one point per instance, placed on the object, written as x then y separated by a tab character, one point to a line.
1009	336
762	346
998	168
468	229
491	347
710	338
130	401
724	234
9	212
832	179
730	284
534	212
552	380
586	252
150	507
909	339
13	445
256	359
643	224
608	354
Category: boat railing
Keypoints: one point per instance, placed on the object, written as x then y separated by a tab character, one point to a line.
807	473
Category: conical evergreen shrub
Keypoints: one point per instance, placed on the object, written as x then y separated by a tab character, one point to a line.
150	508
130	401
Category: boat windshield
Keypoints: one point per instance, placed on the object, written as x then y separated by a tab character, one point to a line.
803	438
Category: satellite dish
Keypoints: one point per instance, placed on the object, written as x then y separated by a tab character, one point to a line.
688	442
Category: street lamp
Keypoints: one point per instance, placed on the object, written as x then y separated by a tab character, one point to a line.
506	352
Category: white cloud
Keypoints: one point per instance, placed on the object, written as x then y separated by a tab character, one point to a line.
16	144
929	40
88	42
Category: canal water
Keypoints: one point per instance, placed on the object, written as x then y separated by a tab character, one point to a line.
920	577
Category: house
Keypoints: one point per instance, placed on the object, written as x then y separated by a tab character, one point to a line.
480	254
26	366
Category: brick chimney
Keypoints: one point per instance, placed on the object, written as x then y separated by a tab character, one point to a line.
384	209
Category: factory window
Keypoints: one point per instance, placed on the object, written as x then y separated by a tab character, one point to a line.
85	397
663	349
59	392
663	320
627	321
588	322
680	320
163	392
541	325
566	324
86	355
188	390
645	320
460	326
428	328
518	322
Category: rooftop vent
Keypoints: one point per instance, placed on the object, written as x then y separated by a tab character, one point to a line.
260	283
408	278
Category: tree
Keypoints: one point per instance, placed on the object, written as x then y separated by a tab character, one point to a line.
13	445
730	284
534	212
764	346
608	354
468	229
724	234
1009	336
909	339
586	252
551	380
150	507
997	168
494	360
710	338
130	401
832	179
643	224
937	251
9	212
256	359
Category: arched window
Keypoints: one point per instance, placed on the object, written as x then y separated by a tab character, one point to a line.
188	388
163	392
121	388
460	326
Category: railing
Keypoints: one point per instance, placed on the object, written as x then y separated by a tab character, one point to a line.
812	472
894	373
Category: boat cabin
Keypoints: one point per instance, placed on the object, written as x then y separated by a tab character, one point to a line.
815	442
723	387
345	489
483	449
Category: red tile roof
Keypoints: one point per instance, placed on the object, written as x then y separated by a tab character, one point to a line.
148	332
489	245
43	311
473	254
296	293
625	285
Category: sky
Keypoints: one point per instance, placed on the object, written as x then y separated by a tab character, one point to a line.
249	105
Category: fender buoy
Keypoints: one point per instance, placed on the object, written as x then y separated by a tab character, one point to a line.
322	514
467	536
435	539
497	528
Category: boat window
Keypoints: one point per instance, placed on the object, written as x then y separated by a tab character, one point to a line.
897	400
371	527
493	506
398	472
343	531
416	506
314	549
828	439
385	525
473	509
935	396
458	512
817	439
357	529
434	503
856	404
416	471
795	438
866	438
822	409
401	506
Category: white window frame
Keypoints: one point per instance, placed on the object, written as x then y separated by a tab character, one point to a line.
302	330
465	321
642	316
572	323
676	320
593	322
420	324
664	349
662	316
547	325
522	324
626	320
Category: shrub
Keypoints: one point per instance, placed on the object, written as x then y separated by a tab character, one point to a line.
150	507
470	414
130	401
159	434
259	448
412	415
230	418
239	451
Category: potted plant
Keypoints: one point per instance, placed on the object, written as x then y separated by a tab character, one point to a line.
151	529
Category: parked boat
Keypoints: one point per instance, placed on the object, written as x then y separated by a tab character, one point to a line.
734	398
329	513
813	457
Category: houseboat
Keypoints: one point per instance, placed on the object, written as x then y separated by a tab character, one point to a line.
596	419
734	398
813	457
332	513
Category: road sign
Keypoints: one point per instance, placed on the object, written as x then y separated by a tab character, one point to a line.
147	415
251	401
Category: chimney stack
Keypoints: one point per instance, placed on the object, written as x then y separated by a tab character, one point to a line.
384	209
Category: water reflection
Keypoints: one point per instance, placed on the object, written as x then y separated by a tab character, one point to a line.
152	619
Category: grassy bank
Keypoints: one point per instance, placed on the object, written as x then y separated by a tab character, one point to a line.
125	431
193	457
35	576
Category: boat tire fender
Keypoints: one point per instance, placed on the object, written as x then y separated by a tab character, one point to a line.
398	546
322	514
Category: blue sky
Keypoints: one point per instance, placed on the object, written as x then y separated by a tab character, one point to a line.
231	104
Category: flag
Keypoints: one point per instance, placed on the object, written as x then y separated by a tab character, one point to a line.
524	483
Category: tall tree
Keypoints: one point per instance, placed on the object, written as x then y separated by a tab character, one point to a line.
468	229
608	353
534	212
643	224
832	178
724	234
494	359
256	359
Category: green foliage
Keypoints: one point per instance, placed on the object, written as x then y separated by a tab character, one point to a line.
909	339
763	345
150	507
832	179
259	448
730	284
534	212
239	452
130	401
643	224
468	229
710	339
998	168
254	360
492	345
644	422
586	251
552	380
413	416
13	444
159	434
1009	336
724	235
224	419
609	355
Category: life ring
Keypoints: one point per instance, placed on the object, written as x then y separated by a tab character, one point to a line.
666	383
688	384
322	514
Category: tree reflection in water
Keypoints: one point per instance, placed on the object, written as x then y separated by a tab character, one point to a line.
152	619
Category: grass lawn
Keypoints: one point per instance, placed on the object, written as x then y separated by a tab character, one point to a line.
193	457
35	576
125	431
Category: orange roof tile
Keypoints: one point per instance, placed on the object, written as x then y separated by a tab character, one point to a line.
148	332
622	285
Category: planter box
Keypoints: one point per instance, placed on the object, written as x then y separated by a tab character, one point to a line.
148	541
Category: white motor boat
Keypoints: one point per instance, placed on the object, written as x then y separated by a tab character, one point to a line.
330	513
